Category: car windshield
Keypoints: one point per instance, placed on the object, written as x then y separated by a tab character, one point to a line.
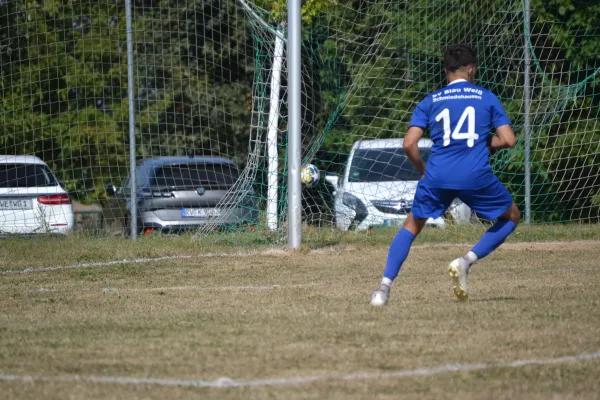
196	175
25	175
383	165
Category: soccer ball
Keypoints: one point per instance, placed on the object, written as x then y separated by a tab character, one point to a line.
310	175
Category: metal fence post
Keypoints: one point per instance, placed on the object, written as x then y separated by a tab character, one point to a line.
131	101
527	121
294	125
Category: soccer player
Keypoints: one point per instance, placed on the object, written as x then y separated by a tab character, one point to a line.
459	118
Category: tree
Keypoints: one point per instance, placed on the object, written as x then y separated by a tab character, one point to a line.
63	82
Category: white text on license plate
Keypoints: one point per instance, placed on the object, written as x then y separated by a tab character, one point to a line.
16	204
200	212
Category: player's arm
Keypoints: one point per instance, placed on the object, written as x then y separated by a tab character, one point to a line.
505	138
411	148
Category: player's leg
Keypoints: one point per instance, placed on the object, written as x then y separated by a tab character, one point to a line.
493	202
399	249
496	234
428	203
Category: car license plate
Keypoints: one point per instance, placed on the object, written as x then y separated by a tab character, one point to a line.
16	204
393	222
200	212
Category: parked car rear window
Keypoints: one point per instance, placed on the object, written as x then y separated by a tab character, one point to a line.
205	175
26	175
384	165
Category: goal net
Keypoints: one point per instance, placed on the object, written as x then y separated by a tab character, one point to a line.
210	106
367	64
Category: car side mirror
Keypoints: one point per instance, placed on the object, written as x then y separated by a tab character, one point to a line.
111	190
333	180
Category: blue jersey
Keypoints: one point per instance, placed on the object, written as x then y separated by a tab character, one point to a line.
459	117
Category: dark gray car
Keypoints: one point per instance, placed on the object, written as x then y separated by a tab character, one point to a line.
176	193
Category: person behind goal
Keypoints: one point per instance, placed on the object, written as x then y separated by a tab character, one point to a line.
459	118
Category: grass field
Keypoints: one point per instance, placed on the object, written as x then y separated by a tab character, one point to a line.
296	325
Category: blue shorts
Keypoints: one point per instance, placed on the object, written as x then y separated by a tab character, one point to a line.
490	202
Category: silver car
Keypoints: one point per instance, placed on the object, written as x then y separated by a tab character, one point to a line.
176	193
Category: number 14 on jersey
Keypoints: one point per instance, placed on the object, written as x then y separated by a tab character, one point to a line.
470	136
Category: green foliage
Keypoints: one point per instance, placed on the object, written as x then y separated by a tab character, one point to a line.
565	39
63	83
277	9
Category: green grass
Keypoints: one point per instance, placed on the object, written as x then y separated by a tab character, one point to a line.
23	253
196	318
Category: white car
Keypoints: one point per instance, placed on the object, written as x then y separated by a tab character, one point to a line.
379	185
31	199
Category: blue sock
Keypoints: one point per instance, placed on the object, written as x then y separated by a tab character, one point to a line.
398	252
494	237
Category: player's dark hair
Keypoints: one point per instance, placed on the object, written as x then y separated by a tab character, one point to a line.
458	56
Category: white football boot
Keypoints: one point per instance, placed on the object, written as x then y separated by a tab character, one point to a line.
458	270
380	296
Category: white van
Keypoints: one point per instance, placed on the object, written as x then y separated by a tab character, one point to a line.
31	199
379	184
